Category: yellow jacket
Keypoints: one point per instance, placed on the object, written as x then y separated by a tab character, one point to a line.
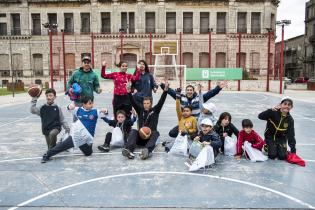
188	124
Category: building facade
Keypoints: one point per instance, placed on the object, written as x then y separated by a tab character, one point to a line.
294	57
93	27
310	39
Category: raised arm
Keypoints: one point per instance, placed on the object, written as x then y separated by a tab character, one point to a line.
211	93
265	115
170	91
134	104
34	109
178	110
107	76
159	105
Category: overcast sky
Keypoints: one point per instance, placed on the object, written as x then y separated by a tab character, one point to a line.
293	10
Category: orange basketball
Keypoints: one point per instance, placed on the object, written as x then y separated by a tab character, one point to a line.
145	132
34	90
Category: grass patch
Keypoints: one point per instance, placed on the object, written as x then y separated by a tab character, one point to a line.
4	91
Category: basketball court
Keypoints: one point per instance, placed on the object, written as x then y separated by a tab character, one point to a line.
109	180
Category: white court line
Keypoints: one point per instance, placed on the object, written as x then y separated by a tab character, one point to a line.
21	119
166	172
71	155
305	144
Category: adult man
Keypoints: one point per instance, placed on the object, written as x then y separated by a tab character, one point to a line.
148	116
86	79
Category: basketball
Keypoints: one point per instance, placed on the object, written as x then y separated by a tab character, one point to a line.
34	90
145	132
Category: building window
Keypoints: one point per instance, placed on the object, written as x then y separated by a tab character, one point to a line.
36	26
203	60
204	22
105	17
171	22
85	23
70	63
255	23
17	65
220	60
128	22
68	19
255	64
16	24
150	22
4	65
243	60
3	24
188	59
38	64
131	59
241	22
272	21
188	23
52	19
221	22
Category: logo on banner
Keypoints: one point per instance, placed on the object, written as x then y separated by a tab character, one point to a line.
205	74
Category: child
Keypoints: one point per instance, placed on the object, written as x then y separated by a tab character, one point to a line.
83	129
225	128
248	134
207	111
51	116
279	129
121	100
208	136
187	124
121	122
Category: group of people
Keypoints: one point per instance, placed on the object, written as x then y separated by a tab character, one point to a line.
132	101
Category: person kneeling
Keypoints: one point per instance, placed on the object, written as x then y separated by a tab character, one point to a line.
148	116
83	129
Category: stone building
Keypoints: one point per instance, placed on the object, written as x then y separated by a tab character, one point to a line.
310	39
294	57
25	42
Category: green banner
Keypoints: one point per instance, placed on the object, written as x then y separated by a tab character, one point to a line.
199	74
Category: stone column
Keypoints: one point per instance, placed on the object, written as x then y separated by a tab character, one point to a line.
231	17
196	22
160	17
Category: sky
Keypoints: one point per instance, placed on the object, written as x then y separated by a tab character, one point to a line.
293	10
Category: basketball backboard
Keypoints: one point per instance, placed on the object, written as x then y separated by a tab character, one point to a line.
165	47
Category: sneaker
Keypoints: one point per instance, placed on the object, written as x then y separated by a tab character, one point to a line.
103	148
125	152
45	158
144	154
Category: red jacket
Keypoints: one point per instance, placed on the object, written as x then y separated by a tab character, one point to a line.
253	138
120	80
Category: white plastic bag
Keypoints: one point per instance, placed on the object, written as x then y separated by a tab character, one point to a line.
180	146
205	158
117	138
254	155
80	135
229	146
195	148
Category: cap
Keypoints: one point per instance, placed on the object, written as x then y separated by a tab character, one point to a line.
206	121
210	106
287	98
86	57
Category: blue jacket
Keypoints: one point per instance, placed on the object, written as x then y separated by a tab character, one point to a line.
144	87
194	101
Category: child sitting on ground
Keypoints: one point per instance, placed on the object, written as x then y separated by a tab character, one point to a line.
51	116
83	129
248	134
225	128
187	124
207	111
121	122
208	136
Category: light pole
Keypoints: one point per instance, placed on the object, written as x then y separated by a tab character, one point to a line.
50	27
282	23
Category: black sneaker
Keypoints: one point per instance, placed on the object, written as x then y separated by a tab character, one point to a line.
104	148
125	152
144	154
45	158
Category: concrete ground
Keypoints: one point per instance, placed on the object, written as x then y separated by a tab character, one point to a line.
108	180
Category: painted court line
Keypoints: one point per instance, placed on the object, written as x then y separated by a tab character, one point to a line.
165	173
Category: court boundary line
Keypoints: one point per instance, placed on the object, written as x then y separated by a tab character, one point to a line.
164	173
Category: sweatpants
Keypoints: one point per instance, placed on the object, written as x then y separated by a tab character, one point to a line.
51	138
277	148
122	102
134	140
67	144
174	132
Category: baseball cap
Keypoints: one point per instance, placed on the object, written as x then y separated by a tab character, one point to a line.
210	106
86	57
287	98
207	121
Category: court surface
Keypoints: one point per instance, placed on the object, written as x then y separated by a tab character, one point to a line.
109	180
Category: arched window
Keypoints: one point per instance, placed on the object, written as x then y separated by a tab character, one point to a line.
203	60
188	59
220	60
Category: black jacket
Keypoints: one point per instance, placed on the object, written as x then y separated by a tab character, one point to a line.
148	118
50	117
125	127
279	128
229	129
212	137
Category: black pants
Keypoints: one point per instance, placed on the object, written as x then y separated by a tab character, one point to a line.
122	102
277	148
67	144
174	132
134	140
